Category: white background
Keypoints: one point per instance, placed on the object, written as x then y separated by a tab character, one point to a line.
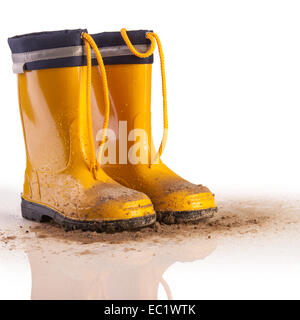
233	80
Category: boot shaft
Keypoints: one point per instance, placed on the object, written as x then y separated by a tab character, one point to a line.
52	98
52	78
129	82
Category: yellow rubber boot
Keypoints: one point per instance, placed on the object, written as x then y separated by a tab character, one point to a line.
136	164
63	180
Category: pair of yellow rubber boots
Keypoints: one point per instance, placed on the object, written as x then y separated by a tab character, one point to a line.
85	105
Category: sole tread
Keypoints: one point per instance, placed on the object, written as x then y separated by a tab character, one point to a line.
172	217
40	213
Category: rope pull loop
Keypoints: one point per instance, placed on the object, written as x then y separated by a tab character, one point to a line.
90	43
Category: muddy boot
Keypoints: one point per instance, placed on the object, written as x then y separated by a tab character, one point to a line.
128	63
63	179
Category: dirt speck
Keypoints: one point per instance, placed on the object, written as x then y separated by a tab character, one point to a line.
129	249
42	236
8	238
85	252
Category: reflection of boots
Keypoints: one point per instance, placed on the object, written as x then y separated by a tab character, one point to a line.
63	179
129	80
134	275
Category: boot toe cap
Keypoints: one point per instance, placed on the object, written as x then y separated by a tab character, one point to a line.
115	202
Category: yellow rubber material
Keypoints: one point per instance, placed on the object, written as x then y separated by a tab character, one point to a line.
130	94
53	107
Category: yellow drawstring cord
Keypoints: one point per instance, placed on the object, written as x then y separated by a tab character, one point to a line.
154	37
89	42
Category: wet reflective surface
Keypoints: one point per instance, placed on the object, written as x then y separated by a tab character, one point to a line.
257	263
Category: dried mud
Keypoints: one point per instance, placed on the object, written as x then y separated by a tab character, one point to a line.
234	218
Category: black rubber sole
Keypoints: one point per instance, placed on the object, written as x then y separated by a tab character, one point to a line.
172	217
39	213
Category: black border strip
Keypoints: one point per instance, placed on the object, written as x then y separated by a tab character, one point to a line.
46	40
65	38
110	39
